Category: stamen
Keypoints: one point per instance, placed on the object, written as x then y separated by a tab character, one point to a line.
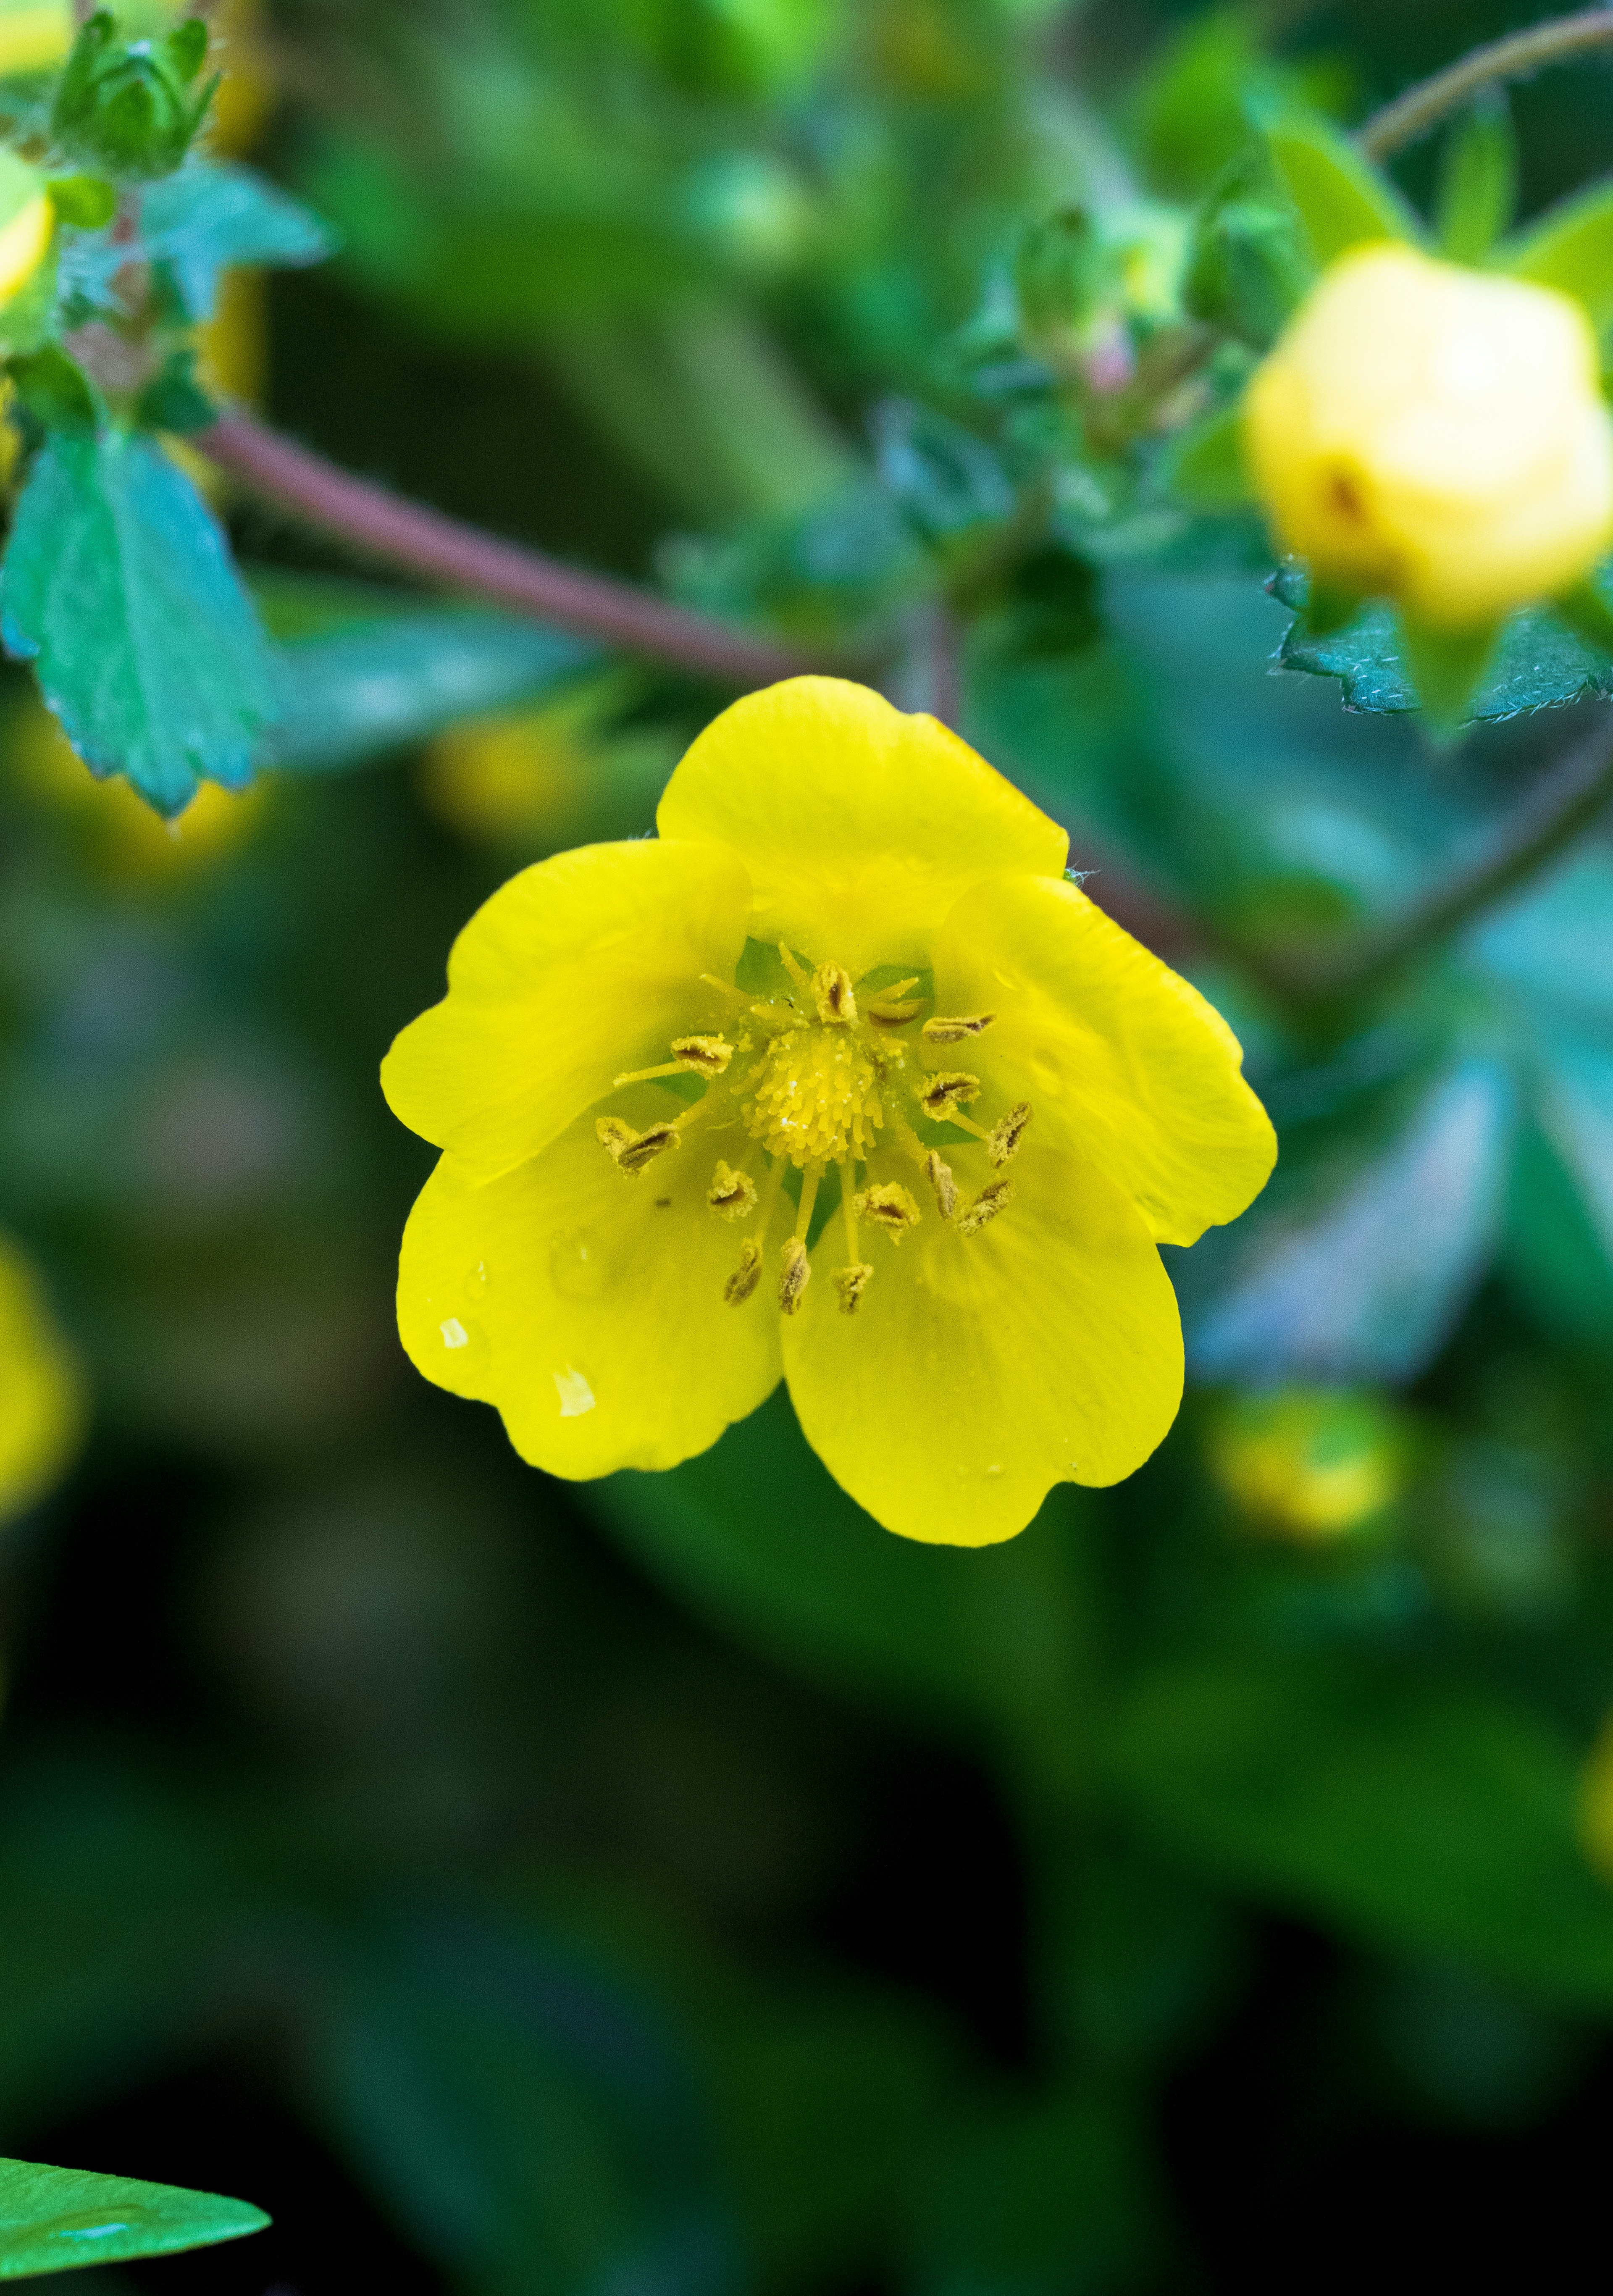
893	1011
953	1033
797	971
985	1206
1007	1133
746	1277
890	1206
706	1056
848	1213
939	1177
732	1194
629	1151
832	988
810	1178
794	1275
948	1089
851	1282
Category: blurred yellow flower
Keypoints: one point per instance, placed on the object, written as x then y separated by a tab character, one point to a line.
121	834
843	1043
42	1396
27	222
1310	1464
34	35
1436	434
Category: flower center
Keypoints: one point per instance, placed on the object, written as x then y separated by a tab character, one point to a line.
818	1096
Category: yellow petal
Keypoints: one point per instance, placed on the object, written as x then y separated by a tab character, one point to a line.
860	826
41	1400
587	1306
979	1371
579	968
1121	1060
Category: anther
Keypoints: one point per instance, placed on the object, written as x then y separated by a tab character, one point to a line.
795	1274
732	1194
985	1206
939	1176
746	1277
948	1089
893	1007
1007	1133
953	1033
851	1282
890	1206
706	1056
629	1151
831	990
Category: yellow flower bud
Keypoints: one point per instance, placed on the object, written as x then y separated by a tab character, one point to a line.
1309	1464
1596	1802
1437	434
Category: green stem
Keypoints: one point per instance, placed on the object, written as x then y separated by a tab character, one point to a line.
1432	99
1561	805
704	404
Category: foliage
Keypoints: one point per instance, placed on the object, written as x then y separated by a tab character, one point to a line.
676	1880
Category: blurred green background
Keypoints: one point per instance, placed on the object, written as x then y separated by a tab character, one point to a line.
677	1886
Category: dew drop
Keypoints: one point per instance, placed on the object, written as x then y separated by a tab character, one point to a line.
454	1333
575	1396
576	1268
476	1282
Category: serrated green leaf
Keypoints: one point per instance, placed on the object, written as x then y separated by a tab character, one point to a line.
60	2219
1341	199
1324	1286
1538	662
119	586
1415	1812
1570	248
1477	181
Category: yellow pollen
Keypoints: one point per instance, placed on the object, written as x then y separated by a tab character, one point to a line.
815	1099
746	1277
939	1176
629	1151
1006	1134
985	1206
851	1282
947	1089
953	1033
890	1206
732	1194
831	992
795	1274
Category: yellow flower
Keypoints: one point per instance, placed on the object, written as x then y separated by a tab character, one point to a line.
34	35
41	1392
27	222
1308	1462
1437	434
838	1078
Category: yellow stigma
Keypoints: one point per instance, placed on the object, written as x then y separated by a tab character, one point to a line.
814	1098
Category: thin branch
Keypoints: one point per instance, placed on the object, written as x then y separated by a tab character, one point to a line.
1424	106
1563	803
441	549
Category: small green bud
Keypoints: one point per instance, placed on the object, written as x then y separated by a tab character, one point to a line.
127	105
1247	271
86	201
1064	278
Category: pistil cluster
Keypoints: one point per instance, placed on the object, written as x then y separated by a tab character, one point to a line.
821	1075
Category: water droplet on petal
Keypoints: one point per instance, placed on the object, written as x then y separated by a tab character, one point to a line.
576	1268
454	1333
575	1396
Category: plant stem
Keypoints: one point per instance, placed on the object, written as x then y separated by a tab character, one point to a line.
443	549
1562	804
1424	106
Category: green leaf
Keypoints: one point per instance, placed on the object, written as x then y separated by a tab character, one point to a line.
1342	199
118	585
1538	662
1324	1284
1415	1812
59	2219
1206	466
1477	180
54	390
756	1534
88	202
400	677
211	215
1570	247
